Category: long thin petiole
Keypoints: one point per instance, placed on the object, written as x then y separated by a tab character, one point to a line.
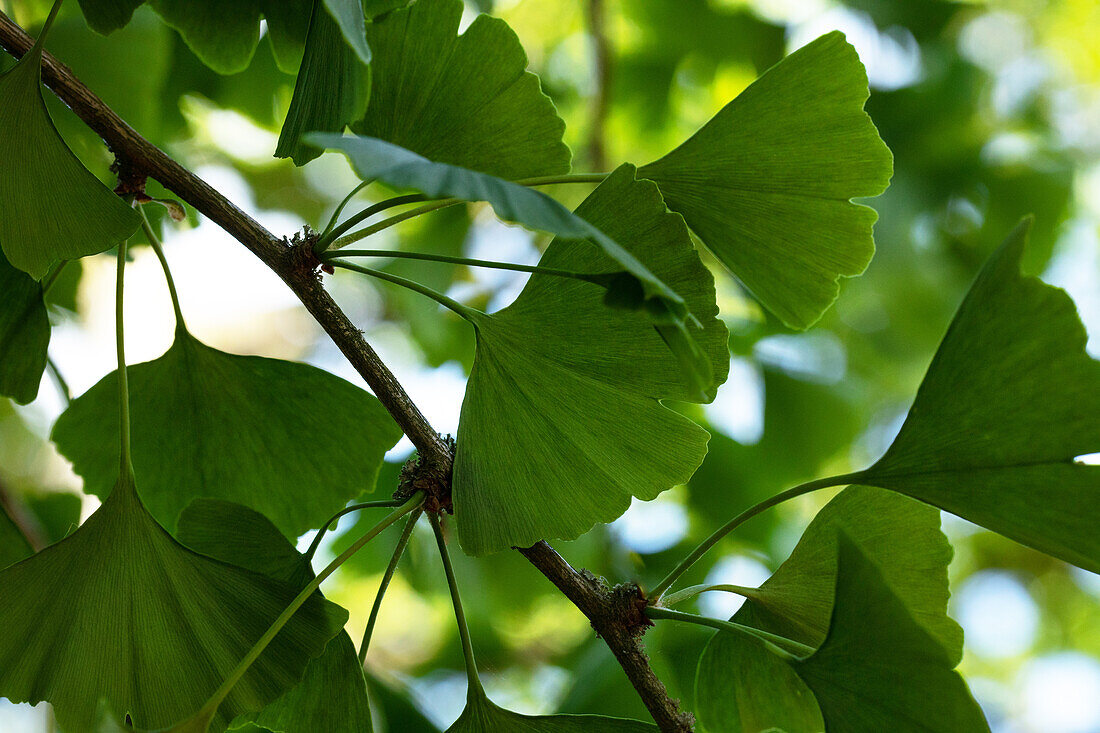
126	465
427	257
779	644
346	510
337	243
342	205
331	233
671	599
211	706
464	311
398	551
472	677
823	483
154	240
376	208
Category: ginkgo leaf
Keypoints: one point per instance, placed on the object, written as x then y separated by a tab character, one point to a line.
767	183
900	536
107	16
465	100
24	334
286	439
877	669
51	207
563	404
332	87
481	715
146	625
349	17
742	687
13	545
333	693
631	285
1010	400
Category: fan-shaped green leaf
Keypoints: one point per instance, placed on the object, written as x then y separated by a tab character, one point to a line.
742	687
900	536
877	669
332	694
289	440
1010	400
333	83
482	716
24	334
107	16
767	183
562	406
51	207
465	100
146	624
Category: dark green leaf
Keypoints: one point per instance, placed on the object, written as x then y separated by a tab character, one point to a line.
563	402
900	536
51	207
348	15
106	16
332	87
289	440
13	545
140	611
1010	400
878	669
24	334
767	183
399	712
332	695
465	100
482	716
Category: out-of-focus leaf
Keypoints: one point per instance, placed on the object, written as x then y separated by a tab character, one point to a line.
13	545
466	100
287	439
24	334
1010	400
51	207
332	87
332	694
563	402
140	610
399	713
107	16
767	183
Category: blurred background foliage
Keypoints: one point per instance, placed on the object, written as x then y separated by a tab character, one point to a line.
992	110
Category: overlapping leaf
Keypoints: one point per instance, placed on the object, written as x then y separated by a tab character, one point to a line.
465	100
333	81
900	536
481	715
332	694
562	407
877	669
634	286
24	334
1010	400
767	183
146	625
288	440
51	207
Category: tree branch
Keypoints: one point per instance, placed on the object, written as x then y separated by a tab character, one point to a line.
296	265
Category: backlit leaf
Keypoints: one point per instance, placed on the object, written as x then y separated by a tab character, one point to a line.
333	83
767	183
146	625
51	207
332	694
24	334
288	440
563	403
466	100
482	716
1010	400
